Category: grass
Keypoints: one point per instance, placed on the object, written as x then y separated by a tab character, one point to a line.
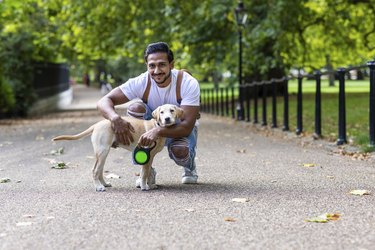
357	110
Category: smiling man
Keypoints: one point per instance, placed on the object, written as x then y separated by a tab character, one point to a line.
161	84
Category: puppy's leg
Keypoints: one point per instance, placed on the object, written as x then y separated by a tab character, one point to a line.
145	173
146	183
98	168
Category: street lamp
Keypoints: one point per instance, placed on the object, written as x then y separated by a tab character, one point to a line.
241	18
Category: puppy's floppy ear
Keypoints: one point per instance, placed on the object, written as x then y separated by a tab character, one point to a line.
155	114
179	112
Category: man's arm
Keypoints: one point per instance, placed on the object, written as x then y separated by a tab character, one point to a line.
106	106
182	129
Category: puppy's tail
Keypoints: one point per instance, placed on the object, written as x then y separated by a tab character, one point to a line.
75	137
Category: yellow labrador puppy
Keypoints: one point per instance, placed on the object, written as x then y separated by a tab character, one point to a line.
103	138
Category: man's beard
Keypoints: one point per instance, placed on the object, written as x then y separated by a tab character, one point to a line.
165	79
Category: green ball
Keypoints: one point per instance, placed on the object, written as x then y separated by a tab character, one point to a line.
141	157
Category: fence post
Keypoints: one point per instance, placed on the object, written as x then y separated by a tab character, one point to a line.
264	104
222	101
274	112
299	106
217	101
233	103
286	106
342	113
255	102
247	103
213	101
318	105
227	101
371	65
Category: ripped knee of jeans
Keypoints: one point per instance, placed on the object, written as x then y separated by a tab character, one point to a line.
179	151
136	110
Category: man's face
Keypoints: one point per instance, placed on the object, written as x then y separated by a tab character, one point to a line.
159	68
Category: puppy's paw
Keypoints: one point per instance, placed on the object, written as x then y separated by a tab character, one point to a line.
153	186
100	188
107	184
145	188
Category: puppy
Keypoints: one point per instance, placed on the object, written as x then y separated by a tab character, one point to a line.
103	137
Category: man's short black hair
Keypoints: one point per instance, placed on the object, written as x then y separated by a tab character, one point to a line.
156	48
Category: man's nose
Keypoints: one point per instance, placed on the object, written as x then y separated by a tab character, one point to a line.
157	70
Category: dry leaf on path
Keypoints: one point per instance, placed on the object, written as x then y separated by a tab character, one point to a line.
241	151
58	151
323	218
189	210
229	219
26	223
59	165
112	176
360	192
240	200
309	165
4	180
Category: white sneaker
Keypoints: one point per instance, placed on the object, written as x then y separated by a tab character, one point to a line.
189	177
151	179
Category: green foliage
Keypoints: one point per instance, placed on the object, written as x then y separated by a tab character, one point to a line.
280	34
7	100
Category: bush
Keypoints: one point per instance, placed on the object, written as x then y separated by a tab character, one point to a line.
7	99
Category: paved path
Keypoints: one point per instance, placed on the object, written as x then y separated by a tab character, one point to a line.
45	208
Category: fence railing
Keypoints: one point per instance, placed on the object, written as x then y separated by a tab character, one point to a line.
235	101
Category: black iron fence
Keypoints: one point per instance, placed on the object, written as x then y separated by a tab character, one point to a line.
50	79
238	101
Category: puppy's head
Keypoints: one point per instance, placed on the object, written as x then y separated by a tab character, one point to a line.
167	114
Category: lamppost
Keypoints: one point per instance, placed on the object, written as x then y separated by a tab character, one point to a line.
241	18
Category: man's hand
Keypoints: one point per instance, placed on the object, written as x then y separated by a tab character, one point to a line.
148	138
122	130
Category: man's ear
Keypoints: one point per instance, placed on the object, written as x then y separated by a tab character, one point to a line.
155	114
179	112
172	64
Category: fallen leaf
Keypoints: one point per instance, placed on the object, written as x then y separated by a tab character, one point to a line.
360	192
28	216
58	151
324	218
4	180
26	223
189	210
39	138
241	151
330	177
229	219
59	165
112	176
90	157
241	200
309	165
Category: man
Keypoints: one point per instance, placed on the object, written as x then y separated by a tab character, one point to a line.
158	86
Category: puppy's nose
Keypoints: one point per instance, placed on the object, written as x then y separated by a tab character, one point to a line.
167	119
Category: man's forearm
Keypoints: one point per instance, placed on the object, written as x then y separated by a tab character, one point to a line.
106	108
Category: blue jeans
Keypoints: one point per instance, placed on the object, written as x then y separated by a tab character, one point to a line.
190	141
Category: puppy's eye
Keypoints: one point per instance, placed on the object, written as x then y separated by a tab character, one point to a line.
172	110
161	112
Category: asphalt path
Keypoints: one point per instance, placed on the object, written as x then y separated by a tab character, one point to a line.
281	181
